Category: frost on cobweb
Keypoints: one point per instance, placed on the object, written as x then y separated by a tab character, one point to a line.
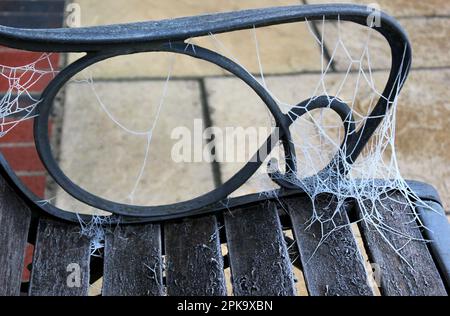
370	180
18	102
95	230
317	138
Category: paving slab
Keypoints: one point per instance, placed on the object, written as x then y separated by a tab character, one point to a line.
430	41
283	49
233	106
104	159
347	43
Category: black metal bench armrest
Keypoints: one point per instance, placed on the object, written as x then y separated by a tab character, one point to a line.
100	37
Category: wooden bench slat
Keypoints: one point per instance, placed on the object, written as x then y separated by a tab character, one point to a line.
336	266
194	261
14	224
61	260
258	256
417	275
133	263
438	231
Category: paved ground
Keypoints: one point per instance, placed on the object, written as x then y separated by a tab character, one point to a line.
131	87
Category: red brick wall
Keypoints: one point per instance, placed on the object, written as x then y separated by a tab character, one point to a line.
17	146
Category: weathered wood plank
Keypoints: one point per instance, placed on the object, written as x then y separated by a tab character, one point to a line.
395	245
332	265
14	223
258	256
61	260
133	262
194	260
438	232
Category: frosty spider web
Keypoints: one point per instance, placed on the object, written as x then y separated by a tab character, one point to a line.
317	138
17	102
370	179
375	174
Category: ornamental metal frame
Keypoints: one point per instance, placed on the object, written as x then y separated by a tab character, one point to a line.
103	42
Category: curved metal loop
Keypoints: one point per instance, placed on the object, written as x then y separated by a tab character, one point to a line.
320	102
44	148
169	35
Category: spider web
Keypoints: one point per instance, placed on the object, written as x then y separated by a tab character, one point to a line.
17	102
317	137
369	180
